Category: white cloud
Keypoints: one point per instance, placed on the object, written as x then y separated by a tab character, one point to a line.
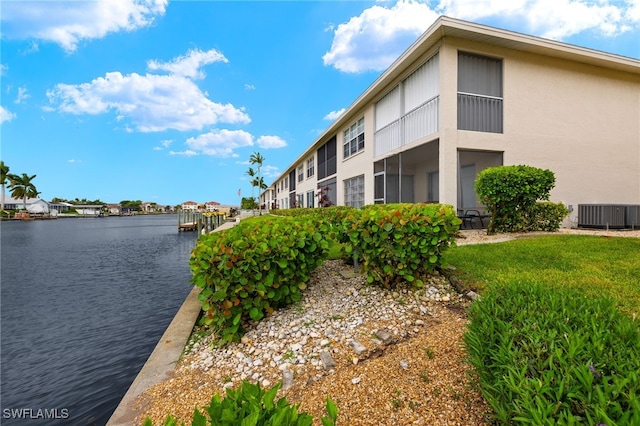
248	86
189	65
152	103
68	22
270	142
73	161
333	115
3	70
187	153
220	143
163	145
633	12
22	95
270	171
6	115
372	40
376	37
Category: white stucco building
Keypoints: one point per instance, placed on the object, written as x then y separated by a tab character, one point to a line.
465	97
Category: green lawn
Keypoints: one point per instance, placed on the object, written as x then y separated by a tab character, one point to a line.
598	266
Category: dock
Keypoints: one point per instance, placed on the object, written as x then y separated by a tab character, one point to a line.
202	222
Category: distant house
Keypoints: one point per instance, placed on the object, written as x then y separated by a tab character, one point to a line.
89	209
211	206
114	210
60	207
19	204
149	207
189	205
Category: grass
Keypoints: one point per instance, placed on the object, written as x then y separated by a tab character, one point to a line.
597	266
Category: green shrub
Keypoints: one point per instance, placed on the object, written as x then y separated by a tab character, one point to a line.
248	271
544	216
250	405
400	242
545	356
509	192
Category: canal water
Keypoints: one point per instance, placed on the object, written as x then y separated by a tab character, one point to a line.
83	303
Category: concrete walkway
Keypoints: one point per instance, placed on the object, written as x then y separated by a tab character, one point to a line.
162	362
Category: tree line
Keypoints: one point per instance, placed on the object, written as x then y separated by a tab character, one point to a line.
22	187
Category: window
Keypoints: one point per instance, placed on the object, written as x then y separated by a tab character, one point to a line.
327	193
479	93
300	202
292	180
310	196
300	174
354	138
327	159
286	182
310	167
354	191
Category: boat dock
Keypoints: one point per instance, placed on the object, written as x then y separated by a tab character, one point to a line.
202	222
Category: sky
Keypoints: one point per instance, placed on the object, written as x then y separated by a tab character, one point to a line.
165	101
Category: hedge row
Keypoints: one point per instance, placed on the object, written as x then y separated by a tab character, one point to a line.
248	271
400	242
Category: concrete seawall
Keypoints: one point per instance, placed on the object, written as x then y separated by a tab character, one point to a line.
162	362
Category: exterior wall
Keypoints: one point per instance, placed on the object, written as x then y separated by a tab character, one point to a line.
360	163
580	121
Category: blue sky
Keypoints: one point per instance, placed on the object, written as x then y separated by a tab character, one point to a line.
165	101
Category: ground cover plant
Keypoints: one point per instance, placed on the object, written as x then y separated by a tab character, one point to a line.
551	355
555	337
250	405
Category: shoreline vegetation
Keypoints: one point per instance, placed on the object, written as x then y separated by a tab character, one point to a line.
423	377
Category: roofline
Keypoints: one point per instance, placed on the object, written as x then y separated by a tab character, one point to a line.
445	26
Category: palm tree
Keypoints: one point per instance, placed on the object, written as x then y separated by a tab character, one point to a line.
257	159
261	187
4	173
22	187
252	174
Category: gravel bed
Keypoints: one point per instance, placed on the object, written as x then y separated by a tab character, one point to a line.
384	357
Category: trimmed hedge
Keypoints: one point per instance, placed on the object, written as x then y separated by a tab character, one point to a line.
400	242
548	356
510	192
248	271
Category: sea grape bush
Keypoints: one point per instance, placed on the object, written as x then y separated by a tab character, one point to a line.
400	242
250	405
248	271
509	192
544	216
550	356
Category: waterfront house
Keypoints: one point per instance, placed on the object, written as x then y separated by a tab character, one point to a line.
32	204
189	205
93	210
114	209
211	206
465	97
150	207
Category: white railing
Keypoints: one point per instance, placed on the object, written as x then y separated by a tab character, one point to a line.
418	123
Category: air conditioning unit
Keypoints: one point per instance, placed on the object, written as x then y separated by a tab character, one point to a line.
632	219
602	215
